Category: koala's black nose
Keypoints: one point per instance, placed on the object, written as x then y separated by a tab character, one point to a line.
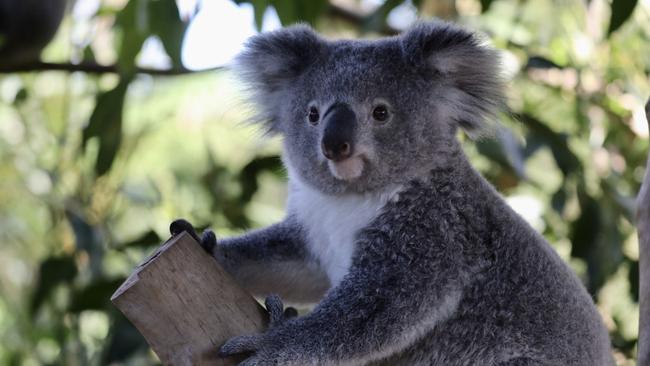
338	136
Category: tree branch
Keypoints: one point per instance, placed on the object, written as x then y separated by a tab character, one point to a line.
186	305
91	68
336	11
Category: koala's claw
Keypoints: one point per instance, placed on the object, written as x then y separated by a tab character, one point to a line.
254	362
207	240
182	225
277	313
254	343
241	344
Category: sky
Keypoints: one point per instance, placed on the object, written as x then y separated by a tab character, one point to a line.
221	27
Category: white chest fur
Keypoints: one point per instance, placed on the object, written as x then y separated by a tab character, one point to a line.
332	223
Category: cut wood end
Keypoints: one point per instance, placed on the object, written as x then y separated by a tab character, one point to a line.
177	277
132	280
135	276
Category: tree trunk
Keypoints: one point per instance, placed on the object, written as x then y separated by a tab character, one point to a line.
643	225
186	306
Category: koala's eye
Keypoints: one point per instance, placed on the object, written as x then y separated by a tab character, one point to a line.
380	113
313	116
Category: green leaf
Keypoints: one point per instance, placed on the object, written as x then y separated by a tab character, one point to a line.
585	228
106	124
377	20
558	201
621	12
310	11
596	238
85	234
248	175
504	150
148	239
95	296
259	8
165	22
485	5
87	237
286	10
540	62
289	11
133	21
52	272
124	341
540	134
21	96
88	54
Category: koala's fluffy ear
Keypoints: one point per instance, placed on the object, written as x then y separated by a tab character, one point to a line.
464	63
271	61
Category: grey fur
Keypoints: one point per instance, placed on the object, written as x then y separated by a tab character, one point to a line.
274	260
446	273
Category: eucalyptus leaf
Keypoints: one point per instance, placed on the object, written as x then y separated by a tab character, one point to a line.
123	341
621	12
87	237
95	296
133	21
376	21
165	22
288	11
105	124
566	160
540	62
248	175
53	271
505	150
485	5
146	240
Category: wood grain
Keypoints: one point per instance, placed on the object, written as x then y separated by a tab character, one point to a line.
185	305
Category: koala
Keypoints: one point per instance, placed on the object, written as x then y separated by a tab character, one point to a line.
412	257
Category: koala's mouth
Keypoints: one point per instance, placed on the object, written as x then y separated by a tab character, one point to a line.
348	169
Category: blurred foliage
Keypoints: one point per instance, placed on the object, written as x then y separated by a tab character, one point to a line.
94	167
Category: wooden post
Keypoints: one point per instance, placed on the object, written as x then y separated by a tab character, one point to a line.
643	226
186	306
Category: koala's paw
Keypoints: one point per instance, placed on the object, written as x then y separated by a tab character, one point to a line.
260	345
277	313
207	240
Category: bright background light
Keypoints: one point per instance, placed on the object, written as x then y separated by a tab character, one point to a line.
218	31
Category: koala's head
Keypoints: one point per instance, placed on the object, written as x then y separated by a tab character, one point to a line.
360	115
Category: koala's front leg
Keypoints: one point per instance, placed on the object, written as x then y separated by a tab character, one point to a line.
271	260
278	315
372	314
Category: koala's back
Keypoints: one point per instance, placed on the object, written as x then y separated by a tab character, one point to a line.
523	306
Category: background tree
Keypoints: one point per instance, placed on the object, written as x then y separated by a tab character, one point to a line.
95	164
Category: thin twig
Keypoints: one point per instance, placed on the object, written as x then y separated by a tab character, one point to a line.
91	68
335	11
